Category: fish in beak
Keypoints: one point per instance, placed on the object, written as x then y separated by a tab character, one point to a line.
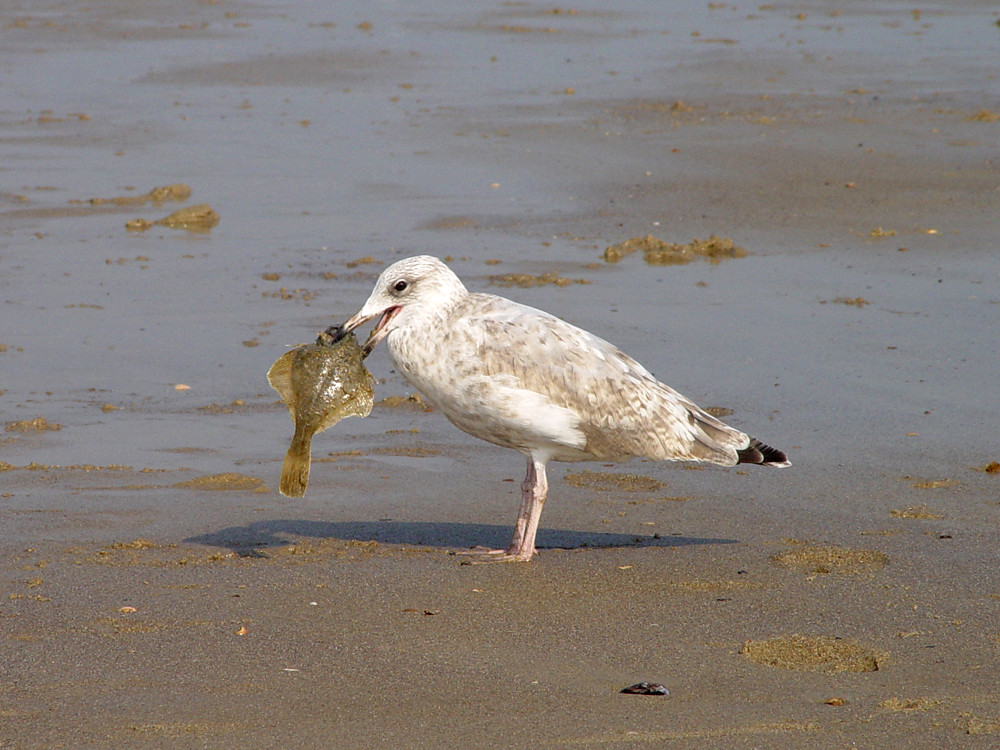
378	333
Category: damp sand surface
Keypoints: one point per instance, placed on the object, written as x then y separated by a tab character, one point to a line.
157	591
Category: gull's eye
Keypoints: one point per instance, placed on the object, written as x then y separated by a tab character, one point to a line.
400	286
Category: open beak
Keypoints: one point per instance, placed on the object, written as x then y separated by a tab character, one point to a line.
378	333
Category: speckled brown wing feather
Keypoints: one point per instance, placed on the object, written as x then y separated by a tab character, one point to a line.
621	408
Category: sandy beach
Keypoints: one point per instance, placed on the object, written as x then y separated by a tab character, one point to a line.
159	592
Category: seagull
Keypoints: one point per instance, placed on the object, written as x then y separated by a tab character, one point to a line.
521	378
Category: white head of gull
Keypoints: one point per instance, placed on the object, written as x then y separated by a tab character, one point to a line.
523	379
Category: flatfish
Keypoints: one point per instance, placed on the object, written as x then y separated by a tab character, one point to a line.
320	383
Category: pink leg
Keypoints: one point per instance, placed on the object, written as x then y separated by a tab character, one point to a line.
522	545
533	492
525	510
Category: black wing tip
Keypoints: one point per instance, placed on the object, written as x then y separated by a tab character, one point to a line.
764	455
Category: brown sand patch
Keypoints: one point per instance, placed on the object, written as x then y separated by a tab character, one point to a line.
183	728
334	455
414	401
146	553
814	654
915	511
932	484
661	499
728	732
230	408
38	424
301	293
449	222
907	704
226	481
351	549
850	301
199	218
127	625
527	280
143	553
829	559
325	548
984	115
415	450
35	466
520	29
976	725
656	252
607	480
713	586
135	544
176	192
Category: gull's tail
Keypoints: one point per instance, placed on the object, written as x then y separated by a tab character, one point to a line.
765	455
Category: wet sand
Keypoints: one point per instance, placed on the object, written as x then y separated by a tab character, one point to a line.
159	592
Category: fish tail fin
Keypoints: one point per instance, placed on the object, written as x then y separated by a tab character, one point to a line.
295	468
758	453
